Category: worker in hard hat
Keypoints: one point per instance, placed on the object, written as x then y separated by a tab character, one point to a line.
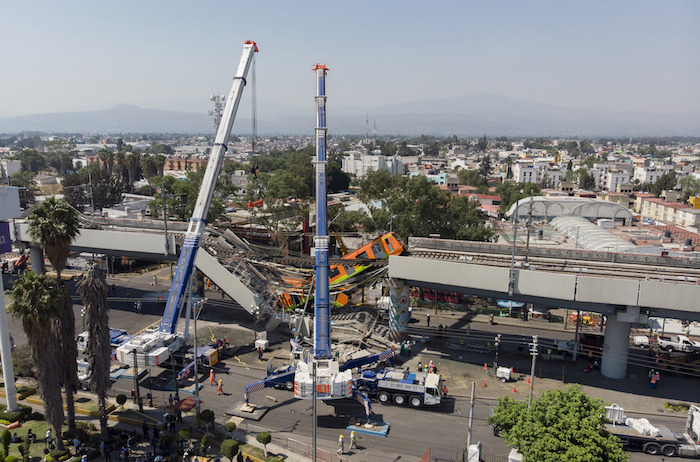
341	445
220	388
352	440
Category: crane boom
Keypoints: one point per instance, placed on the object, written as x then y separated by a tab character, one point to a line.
195	230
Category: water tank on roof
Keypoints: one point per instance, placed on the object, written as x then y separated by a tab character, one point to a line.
667	233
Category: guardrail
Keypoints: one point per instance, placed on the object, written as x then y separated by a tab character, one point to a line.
571	254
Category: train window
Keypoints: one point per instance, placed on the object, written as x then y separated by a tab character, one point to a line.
390	247
362	256
350	270
334	272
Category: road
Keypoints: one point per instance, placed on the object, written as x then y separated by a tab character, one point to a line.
411	431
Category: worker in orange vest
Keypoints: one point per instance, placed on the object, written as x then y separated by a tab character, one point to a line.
212	377
220	388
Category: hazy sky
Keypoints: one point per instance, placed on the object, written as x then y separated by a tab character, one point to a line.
71	55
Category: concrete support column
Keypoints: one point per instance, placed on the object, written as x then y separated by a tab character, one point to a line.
36	255
399	316
617	340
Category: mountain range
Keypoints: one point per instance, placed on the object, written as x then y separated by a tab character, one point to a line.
474	115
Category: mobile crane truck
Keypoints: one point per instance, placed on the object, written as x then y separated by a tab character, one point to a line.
416	388
641	435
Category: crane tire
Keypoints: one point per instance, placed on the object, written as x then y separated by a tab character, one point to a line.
415	401
399	399
383	397
652	448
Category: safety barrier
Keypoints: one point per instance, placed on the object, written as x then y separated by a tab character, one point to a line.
446	455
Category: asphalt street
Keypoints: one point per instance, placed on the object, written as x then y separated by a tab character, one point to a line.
411	431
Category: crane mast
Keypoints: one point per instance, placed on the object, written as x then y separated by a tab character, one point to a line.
322	330
320	376
195	230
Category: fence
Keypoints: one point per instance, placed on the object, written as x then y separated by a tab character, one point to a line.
322	455
446	455
492	458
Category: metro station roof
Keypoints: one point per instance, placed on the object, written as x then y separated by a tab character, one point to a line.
545	207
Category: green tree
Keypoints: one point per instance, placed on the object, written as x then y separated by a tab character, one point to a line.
229	448
148	165
133	163
376	185
666	182
32	160
36	302
55	224
106	189
59	154
560	425
471	178
690	186
24	179
432	150
264	438
92	287
207	416
512	192
6	439
482	144
485	166
107	158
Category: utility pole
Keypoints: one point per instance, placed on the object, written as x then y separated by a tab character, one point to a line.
92	195
511	278
471	418
137	394
528	226
497	344
533	352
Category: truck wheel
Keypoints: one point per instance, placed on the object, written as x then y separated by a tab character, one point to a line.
669	450
415	401
84	386
504	380
289	385
669	349
383	397
399	399
652	448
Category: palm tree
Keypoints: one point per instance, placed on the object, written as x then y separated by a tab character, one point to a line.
36	301
92	287
107	158
55	224
148	165
160	160
133	162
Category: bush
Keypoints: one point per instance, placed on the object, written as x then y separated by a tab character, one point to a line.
230	427
184	435
11	459
166	439
36	416
22	414
6	439
264	438
229	448
121	399
207	416
55	454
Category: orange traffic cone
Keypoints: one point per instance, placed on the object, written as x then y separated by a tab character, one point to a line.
529	386
486	368
527	379
484	383
513	389
511	371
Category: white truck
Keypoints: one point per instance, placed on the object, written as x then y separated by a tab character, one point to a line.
401	387
641	435
678	343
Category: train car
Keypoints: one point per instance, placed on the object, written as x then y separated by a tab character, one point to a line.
377	249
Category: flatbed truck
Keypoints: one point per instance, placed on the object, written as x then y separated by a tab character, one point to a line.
641	435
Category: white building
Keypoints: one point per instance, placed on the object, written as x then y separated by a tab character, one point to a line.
525	172
651	174
359	164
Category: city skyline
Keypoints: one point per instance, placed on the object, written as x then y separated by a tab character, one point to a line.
625	56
